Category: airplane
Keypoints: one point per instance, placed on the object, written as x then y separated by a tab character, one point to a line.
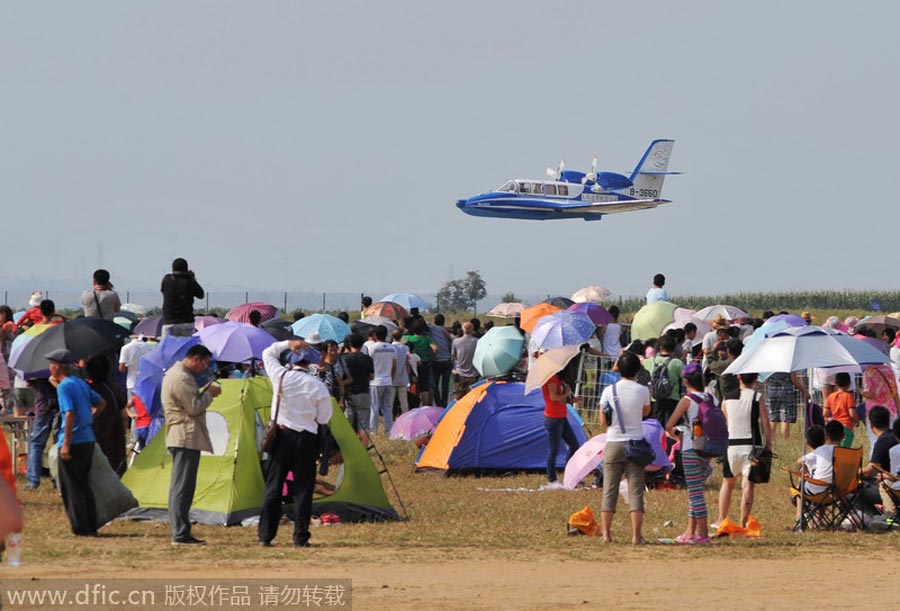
572	194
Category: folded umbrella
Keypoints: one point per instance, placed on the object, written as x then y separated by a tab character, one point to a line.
563	328
498	351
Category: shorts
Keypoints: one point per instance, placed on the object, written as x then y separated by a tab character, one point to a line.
738	460
781	400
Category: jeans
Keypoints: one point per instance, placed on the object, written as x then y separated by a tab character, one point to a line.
381	404
558	429
40	432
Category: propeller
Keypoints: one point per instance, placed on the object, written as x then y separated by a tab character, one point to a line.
557	173
592	175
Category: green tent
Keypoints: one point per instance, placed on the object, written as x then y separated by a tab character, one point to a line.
230	482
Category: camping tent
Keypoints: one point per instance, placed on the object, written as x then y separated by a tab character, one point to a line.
230	482
496	426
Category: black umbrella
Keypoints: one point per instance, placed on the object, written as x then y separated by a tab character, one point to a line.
279	328
82	337
151	327
560	302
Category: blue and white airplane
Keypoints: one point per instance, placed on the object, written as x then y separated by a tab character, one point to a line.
573	194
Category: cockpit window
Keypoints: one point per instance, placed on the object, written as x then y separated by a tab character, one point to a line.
509	187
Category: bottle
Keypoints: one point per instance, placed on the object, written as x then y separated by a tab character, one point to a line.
696	428
13	549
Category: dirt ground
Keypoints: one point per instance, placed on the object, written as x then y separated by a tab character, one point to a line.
618	576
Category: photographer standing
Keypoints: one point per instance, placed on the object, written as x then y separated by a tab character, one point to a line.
303	403
179	290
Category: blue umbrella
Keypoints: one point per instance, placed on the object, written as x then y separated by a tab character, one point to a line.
498	351
153	367
775	324
328	327
563	328
407	300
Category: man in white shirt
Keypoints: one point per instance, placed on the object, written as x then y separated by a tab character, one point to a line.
657	292
381	387
400	385
130	361
612	336
304	404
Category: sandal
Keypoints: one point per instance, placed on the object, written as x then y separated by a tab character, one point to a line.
685	539
701	541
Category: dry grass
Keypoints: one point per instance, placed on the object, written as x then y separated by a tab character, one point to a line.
478	515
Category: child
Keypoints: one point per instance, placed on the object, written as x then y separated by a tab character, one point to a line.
840	406
817	464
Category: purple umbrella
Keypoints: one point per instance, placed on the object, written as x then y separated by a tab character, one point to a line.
789	320
201	322
235	342
563	329
416	422
151	327
596	313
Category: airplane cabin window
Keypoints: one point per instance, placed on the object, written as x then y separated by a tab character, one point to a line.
538	188
551	189
526	187
563	189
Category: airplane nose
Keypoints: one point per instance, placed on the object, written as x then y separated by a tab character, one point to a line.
461	203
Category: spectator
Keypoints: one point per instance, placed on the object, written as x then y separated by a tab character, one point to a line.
463	354
816	464
401	378
556	397
657	292
179	290
841	406
632	404
101	301
421	344
880	388
255	318
612	336
781	400
727	386
130	361
109	422
441	365
663	408
361	370
46	409
32	315
381	387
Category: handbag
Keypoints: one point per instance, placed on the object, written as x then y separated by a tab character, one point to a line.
638	451
760	465
271	433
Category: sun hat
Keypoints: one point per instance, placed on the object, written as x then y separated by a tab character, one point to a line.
805	315
313	338
36	298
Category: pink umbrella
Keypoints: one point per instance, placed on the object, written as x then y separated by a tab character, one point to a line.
201	322
241	313
416	422
683	316
584	461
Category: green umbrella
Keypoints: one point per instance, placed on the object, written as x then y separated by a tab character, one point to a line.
498	351
650	320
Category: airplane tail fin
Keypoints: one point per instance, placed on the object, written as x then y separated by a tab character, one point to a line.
651	170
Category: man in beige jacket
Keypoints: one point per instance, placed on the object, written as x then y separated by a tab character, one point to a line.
184	405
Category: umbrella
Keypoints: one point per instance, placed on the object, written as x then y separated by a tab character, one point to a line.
598	314
278	328
235	342
591	294
563	329
798	348
651	319
406	300
201	322
561	302
328	327
585	460
773	326
549	363
82	337
416	422
498	351
154	365
710	313
387	309
134	308
530	316
151	327
792	320
364	325
879	323
507	310
241	313
18	315
683	316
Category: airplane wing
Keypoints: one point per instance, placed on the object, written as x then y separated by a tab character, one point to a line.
619	206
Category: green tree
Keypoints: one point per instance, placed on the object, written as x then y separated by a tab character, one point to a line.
509	298
462	294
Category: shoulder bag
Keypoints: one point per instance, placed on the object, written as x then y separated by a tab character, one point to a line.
271	433
638	451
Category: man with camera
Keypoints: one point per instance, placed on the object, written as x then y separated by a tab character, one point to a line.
302	403
179	290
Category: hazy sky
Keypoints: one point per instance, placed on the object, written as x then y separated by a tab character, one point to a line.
321	146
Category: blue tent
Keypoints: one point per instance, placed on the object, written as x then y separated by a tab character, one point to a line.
496	426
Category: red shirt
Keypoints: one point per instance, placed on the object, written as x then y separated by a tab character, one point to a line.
840	402
553	409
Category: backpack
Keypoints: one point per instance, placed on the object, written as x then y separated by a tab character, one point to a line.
713	441
660	384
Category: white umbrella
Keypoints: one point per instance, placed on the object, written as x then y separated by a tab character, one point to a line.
799	348
710	313
507	310
591	294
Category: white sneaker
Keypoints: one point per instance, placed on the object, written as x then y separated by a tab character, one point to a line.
553	486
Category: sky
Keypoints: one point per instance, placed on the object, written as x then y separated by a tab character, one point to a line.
318	146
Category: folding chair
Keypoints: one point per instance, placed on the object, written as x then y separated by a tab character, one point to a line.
888	522
830	508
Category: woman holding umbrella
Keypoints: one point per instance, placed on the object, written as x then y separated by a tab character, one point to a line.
629	403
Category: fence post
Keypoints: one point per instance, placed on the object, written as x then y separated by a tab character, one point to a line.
207	302
127	296
246	296
285	303
5	297
323	302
